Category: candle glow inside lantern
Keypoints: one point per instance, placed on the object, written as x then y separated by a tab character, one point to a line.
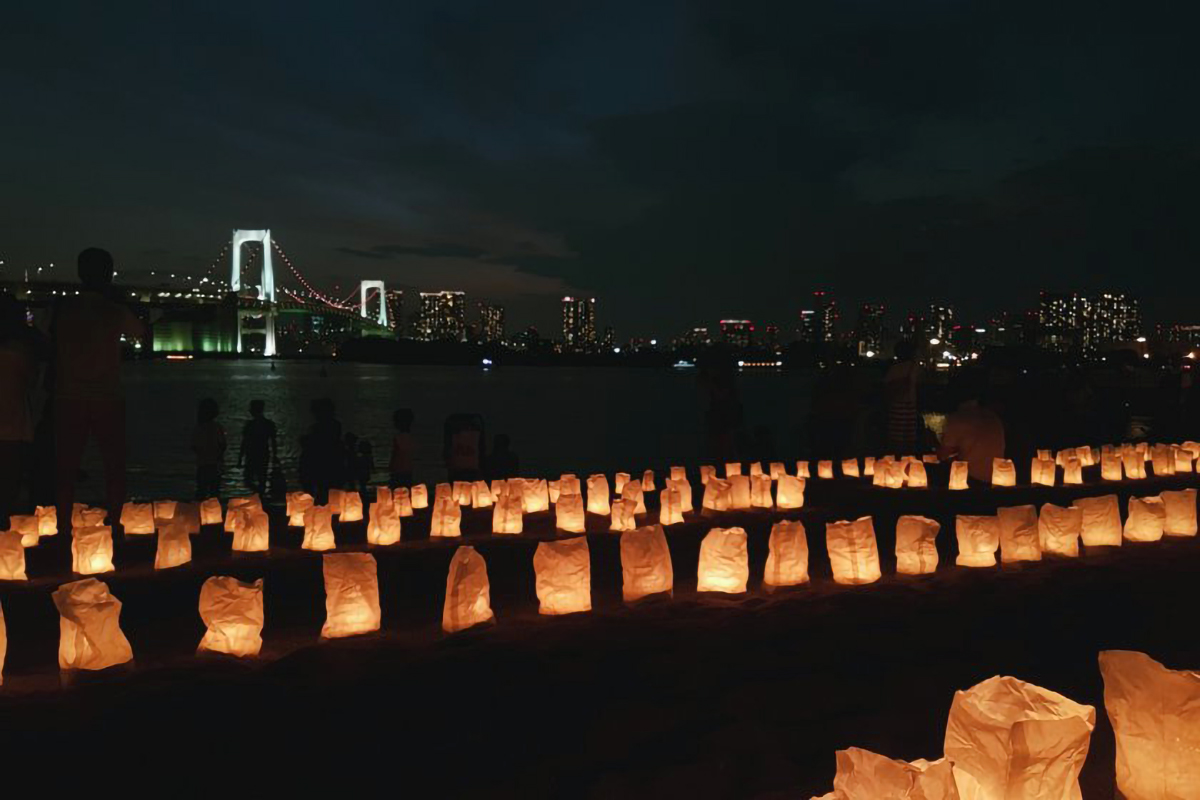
853	552
648	481
563	573
760	491
864	775
739	492
623	515
12	557
789	493
253	535
468	593
915	475
1042	472
92	550
351	594
508	513
27	526
383	496
569	484
1059	529
210	511
1134	463
536	497
1179	509
732	468
1072	472
645	563
669	511
724	562
419	496
297	503
824	469
137	518
787	556
232	612
775	469
1003	472
685	493
802	469
718	495
755	468
619	481
959	470
869	466
174	546
678	474
1183	459
597	495
402	500
568	513
1147	517
1101	520
1162	461
1010	739
236	503
632	490
706	474
47	517
1155	715
552	490
383	524
978	540
463	492
447	518
86	517
850	467
318	529
1110	467
916	545
352	507
164	510
1019	537
90	634
895	473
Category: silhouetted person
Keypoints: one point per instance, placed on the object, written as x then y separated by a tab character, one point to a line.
364	464
349	455
723	412
502	462
900	397
463	446
259	448
208	443
974	432
21	350
87	330
400	465
322	453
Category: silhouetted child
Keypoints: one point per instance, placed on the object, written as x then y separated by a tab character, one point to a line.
502	462
364	464
208	443
401	463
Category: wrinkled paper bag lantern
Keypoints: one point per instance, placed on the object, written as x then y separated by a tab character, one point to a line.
619	481
824	469
508	513
1059	529
297	504
1072	472
419	496
568	514
318	529
732	468
351	594
569	484
669	510
1101	520
916	545
402	500
1155	715
383	496
1183	459
707	473
468	594
383	524
352	507
1147	516
536	497
1162	460
775	469
27	526
645	563
1042	472
787	556
12	557
597	495
718	495
685	494
678	474
1179	508
563	573
236	504
724	562
760	491
1009	739
850	467
233	614
552	490
869	466
739	492
137	518
1003	472
853	553
648	481
895	473
174	546
789	493
85	517
463	491
164	510
978	540
915	475
210	511
802	469
90	634
1110	467
755	468
254	534
633	491
334	500
481	495
1019	538
863	775
92	550
1134	463
447	518
47	517
623	515
958	475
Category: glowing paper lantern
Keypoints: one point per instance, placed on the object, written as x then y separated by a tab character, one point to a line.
236	503
760	491
755	468
447	518
706	474
563	573
1110	467
1072	472
619	481
1003	472
802	469
685	494
92	550
254	534
27	526
508	513
669	511
352	507
1162	461
978	540
463	492
137	518
775	469
1101	520
1147	517
188	516
645	563
959	470
1059	529
1179	509
164	510
351	595
718	495
1183	459
724	562
481	495
568	514
12	557
739	492
334	500
419	496
468	594
787	556
552	490
853	553
90	634
648	481
1011	739
850	467
929	458
1134	463
174	546
623	515
732	468
597	495
210	511
402	501
47	517
916	545
536	496
789	493
84	517
232	611
633	491
915	475
318	529
383	496
383	524
824	469
895	473
863	775
1019	537
1042	472
297	503
1155	715
869	467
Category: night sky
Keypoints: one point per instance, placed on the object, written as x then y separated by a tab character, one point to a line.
680	161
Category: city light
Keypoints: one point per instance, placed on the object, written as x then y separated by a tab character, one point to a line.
935	341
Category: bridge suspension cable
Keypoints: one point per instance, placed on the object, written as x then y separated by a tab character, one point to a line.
309	288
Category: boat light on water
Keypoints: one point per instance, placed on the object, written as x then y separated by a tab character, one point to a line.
179	357
683	364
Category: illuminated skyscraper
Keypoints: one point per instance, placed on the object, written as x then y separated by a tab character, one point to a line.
737	332
808	331
1084	323
491	322
826	316
868	332
939	322
579	323
443	317
395	309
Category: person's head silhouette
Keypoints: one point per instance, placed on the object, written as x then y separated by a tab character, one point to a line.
95	268
256	408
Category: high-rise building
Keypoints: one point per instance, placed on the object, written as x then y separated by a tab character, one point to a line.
579	323
826	316
771	336
939	322
868	331
1112	317
737	332
808	331
443	317
491	322
395	309
696	337
1078	323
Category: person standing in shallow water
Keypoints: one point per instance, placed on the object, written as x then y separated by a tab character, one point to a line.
259	448
208	443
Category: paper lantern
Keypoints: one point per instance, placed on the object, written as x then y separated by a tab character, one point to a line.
863	775
915	475
1072	472
1135	465
869	466
1059	529
383	524
552	490
853	553
623	515
254	534
210	511
739	492
508	513
468	594
732	468
536	496
232	611
760	491
1155	716
789	493
188	516
463	492
47	517
1110	467
563	573
569	484
174	546
137	518
85	517
419	496
597	495
568	514
1011	739
685	494
352	507
787	556
481	495
648	481
645	563
1101	520
1044	455
447	518
334	501
1183	459
164	510
1162	460
1179	509
1042	472
755	468
633	491
1147	517
978	540
916	545
775	469
383	496
619	481
802	469
12	557
351	595
90	634
236	503
669	511
27	526
442	491
1019	538
959	470
1003	472
895	473
718	495
706	474
318	529
297	503
929	458
850	467
724	562
92	550
402	501
824	469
